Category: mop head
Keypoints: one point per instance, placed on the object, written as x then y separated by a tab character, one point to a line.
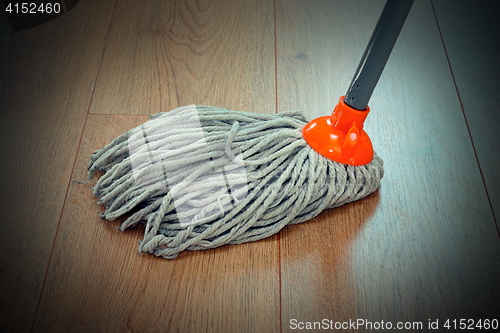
199	177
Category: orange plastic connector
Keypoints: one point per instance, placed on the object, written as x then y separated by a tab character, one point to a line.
340	137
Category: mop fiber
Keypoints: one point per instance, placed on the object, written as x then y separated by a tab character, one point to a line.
199	177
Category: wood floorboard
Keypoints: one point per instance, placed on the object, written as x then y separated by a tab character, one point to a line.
160	55
98	283
471	35
425	246
52	68
173	53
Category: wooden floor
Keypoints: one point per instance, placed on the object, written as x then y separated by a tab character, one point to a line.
425	247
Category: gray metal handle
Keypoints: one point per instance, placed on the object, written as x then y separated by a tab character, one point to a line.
377	52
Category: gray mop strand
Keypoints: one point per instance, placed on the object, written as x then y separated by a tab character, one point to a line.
199	177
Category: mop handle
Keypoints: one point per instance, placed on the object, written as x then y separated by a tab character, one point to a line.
377	52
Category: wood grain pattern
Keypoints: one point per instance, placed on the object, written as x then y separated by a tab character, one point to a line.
97	282
471	36
423	247
173	53
319	44
51	70
176	52
428	249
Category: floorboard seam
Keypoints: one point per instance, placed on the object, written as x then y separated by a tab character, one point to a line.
280	285
466	122
71	177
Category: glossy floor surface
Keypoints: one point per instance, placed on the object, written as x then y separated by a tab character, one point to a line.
425	247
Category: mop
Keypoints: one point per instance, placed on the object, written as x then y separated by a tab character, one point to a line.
199	177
